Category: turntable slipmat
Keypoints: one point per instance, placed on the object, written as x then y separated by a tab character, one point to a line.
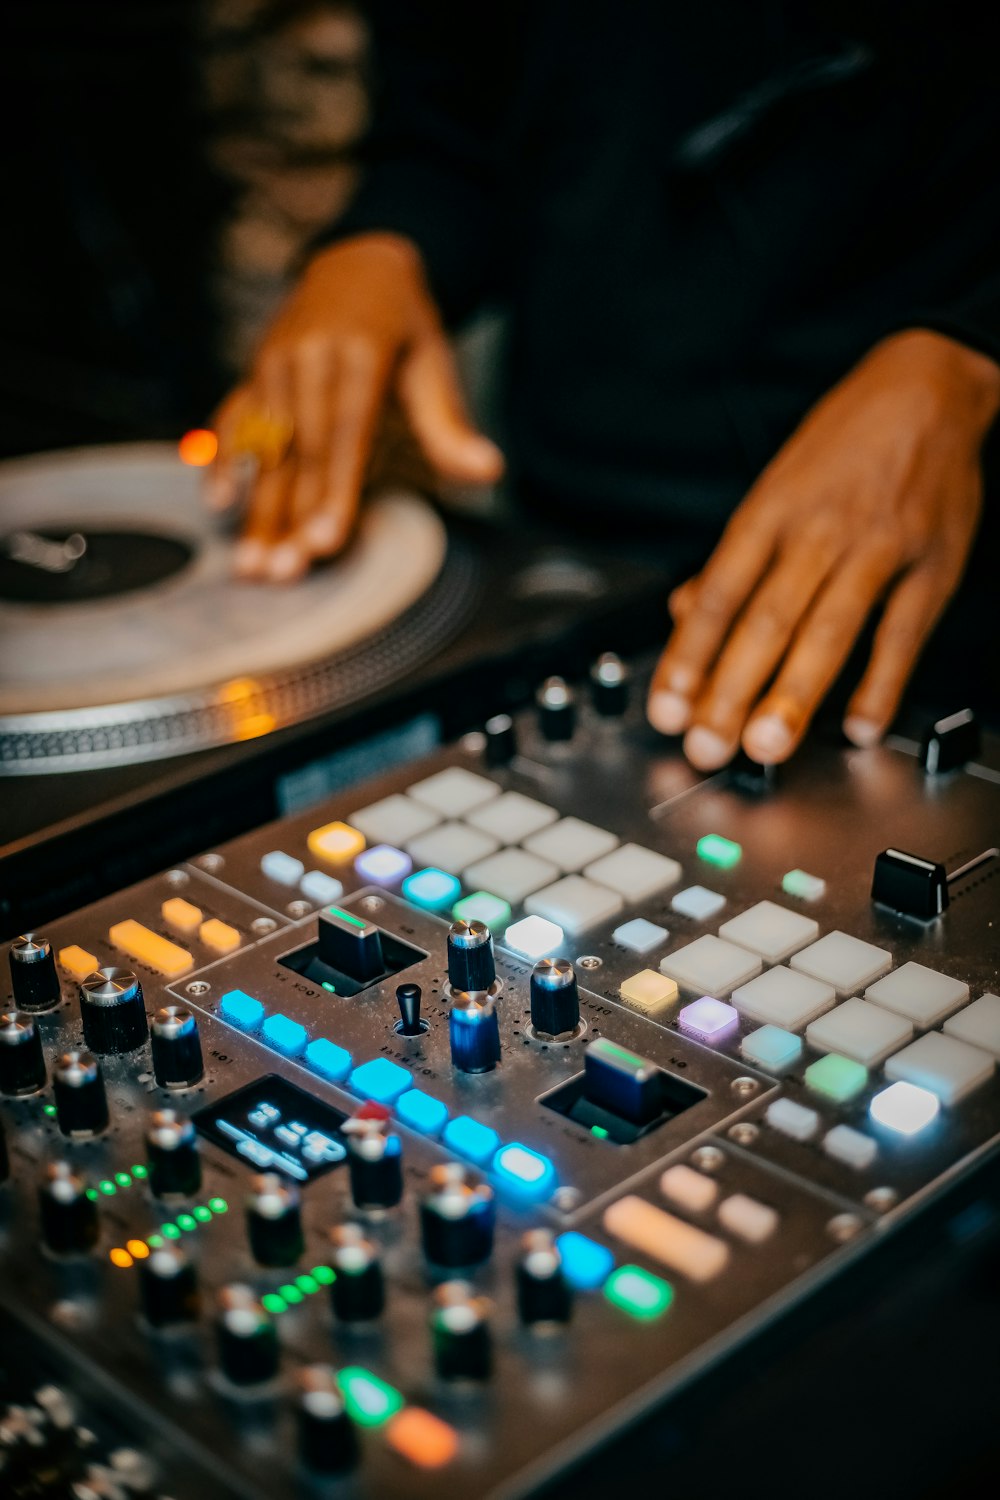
165	652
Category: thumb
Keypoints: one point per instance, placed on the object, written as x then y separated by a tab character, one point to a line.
429	392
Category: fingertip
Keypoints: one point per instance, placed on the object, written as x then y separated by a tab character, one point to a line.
668	712
249	558
286	563
324	535
862	732
706	750
768	739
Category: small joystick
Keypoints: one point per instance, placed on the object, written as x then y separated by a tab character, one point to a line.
408	998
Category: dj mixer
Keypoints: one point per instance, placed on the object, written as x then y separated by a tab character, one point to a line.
421	1143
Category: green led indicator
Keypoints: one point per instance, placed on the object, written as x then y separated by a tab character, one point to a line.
273	1303
92	1194
307	1284
638	1293
803	885
218	1205
599	1131
330	988
123	1179
482	906
186	1222
203	1214
836	1077
369	1401
50	1110
325	1275
612	1049
336	911
291	1294
139	1172
716	850
154	1241
170	1231
107	1187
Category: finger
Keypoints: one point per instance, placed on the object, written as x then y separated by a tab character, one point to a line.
721	591
430	394
222	484
313	388
909	617
682	598
754	650
265	549
357	397
819	651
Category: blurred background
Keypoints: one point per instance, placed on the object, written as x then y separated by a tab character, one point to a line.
166	165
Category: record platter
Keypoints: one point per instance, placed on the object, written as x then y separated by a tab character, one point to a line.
124	636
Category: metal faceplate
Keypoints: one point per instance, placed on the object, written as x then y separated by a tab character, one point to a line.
551	1395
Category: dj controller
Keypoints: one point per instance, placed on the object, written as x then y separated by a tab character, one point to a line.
425	1142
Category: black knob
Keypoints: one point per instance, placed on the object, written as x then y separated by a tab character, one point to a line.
358	1293
555	998
168	1288
274	1220
501	740
457	1218
474	1032
69	1215
328	1441
246	1337
408	997
78	1088
113	1011
556	709
609	680
4	1158
172	1154
350	945
33	973
622	1082
471	962
543	1293
176	1047
374	1161
460	1332
911	885
22	1062
950	742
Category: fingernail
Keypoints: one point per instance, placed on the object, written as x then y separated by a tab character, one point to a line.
322	532
286	562
767	738
862	732
707	750
248	558
682	681
668	712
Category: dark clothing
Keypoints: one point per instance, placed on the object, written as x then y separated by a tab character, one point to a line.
700	216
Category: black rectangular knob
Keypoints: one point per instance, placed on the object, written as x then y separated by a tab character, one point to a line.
350	944
911	885
950	743
622	1082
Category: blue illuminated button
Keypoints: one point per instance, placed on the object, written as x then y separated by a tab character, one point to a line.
320	888
285	1034
432	889
466	1137
422	1112
381	1080
586	1264
327	1058
240	1008
383	865
524	1172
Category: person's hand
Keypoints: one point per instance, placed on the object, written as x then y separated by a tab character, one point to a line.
358	332
873	501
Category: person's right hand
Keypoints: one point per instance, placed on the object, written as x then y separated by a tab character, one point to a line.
359	330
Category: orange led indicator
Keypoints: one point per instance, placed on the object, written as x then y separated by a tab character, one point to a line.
120	1257
336	842
138	1249
422	1438
198	447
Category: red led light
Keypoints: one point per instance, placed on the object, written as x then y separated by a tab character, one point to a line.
198	447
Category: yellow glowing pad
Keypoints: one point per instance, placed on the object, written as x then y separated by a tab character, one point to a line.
181	914
336	842
149	948
219	936
648	990
78	961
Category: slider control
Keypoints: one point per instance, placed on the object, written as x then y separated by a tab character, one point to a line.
950	742
911	885
622	1082
350	944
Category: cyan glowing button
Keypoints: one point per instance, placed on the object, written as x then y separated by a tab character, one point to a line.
466	1137
285	1034
716	850
772	1047
422	1112
535	937
638	1292
586	1264
240	1008
904	1108
383	865
524	1173
432	889
709	1018
381	1080
327	1058
482	907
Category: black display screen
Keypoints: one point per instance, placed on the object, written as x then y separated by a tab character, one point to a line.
274	1126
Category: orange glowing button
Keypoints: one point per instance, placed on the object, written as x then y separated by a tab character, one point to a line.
120	1258
198	447
337	843
422	1438
138	1249
219	936
181	914
78	961
150	949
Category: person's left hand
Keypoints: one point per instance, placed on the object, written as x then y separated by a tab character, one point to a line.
874	500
